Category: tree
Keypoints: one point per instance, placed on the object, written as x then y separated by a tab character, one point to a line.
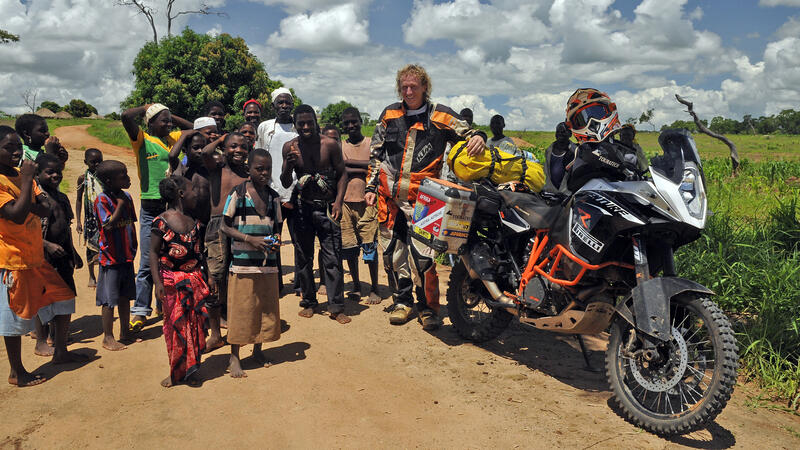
188	70
6	37
29	97
113	115
52	106
646	117
79	108
149	13
789	121
332	114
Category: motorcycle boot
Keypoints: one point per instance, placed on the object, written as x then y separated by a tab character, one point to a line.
429	319
400	314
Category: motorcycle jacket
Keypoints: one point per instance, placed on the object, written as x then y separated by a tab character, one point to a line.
406	149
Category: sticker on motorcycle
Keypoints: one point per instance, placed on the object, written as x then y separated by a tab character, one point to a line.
428	214
587	238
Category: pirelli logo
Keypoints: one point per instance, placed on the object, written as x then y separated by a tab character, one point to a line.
587	238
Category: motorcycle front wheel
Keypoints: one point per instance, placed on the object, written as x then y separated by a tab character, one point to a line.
472	318
691	378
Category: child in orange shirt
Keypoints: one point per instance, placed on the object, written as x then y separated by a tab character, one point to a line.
27	283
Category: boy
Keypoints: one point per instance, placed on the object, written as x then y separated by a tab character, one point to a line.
498	139
249	132
58	249
116	285
88	189
223	177
35	134
28	285
192	143
252	219
359	222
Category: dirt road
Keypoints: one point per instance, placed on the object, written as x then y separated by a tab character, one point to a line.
362	385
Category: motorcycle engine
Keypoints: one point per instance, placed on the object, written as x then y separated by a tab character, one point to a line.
537	296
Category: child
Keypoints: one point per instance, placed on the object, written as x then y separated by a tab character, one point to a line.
223	178
28	284
249	132
88	189
116	217
253	219
175	262
58	249
191	144
35	134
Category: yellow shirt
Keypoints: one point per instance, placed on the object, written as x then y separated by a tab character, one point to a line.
21	245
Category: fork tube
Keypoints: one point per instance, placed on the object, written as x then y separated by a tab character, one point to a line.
640	260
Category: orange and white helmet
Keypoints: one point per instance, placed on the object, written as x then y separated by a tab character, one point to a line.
591	115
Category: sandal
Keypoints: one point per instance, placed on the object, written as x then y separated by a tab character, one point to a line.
136	325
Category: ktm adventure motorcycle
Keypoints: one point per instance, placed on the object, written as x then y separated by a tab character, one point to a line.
602	258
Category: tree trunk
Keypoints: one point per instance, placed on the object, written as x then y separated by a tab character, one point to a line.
703	129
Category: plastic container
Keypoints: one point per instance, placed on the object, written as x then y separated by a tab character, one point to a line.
443	215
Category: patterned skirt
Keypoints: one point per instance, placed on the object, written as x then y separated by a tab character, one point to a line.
185	321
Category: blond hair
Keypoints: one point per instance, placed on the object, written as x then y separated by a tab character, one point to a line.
419	72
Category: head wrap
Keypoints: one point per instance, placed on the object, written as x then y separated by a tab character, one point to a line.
279	91
202	122
252	100
153	111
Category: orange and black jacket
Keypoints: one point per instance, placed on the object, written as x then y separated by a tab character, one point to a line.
407	149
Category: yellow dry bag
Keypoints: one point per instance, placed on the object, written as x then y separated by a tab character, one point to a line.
497	165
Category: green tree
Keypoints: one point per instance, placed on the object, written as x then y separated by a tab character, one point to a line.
646	117
789	121
6	37
186	71
332	114
79	108
52	106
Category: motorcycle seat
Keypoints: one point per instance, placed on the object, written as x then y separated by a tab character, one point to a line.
532	208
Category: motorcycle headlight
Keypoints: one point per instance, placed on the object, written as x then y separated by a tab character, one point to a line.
691	190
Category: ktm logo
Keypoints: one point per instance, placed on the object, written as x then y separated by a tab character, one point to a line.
584	218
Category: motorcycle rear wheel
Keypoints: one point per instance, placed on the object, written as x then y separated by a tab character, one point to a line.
694	380
472	318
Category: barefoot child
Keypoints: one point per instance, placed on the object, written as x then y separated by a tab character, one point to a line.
175	263
59	253
88	189
223	177
116	285
27	282
253	220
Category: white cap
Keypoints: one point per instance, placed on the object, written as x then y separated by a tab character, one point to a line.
153	111
279	91
202	122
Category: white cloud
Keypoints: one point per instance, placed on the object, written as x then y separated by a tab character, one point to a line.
215	31
481	113
483	31
779	3
298	6
336	29
791	28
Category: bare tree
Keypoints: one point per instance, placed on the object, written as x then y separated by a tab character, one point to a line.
705	130
29	96
144	10
204	11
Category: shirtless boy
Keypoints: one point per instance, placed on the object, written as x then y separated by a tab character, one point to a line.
316	161
223	178
192	143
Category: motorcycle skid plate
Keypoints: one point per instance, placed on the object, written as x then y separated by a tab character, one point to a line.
593	320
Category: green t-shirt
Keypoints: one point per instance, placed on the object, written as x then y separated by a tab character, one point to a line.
28	153
152	161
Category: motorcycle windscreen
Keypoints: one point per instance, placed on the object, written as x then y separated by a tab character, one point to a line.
679	148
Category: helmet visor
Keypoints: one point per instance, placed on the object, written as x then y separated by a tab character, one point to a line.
597	111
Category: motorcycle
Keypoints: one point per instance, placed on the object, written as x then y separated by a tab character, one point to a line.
602	259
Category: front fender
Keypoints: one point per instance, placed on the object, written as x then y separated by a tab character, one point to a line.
647	308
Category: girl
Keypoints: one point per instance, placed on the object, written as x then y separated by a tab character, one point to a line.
175	262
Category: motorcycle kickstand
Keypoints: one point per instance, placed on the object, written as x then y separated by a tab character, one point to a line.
589	367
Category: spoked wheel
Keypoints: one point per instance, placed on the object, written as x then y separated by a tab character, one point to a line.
683	384
472	318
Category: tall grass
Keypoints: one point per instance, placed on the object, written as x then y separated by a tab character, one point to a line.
749	255
110	133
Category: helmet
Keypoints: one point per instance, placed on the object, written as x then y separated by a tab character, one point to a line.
591	115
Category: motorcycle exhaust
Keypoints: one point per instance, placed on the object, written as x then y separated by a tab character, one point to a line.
500	300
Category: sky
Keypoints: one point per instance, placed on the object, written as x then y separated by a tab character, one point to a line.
518	58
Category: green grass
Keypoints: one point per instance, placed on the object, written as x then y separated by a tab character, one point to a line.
110	132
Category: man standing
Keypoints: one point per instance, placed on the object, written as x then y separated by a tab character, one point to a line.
499	140
272	135
408	145
359	222
316	162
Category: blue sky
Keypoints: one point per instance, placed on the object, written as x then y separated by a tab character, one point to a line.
518	58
